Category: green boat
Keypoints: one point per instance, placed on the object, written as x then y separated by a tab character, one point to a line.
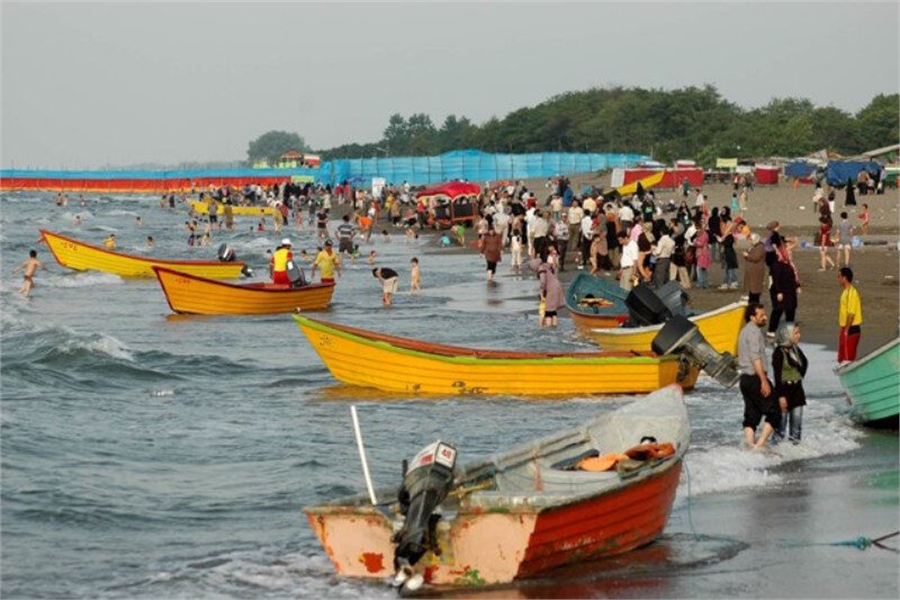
873	384
595	302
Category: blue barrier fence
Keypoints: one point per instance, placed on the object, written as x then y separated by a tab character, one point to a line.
471	165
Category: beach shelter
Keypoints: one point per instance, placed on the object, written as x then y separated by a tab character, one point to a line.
452	202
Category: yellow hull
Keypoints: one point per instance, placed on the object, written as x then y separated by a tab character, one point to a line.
196	295
202	208
720	327
408	367
647	182
77	255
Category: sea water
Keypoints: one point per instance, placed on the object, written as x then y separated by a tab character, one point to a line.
146	454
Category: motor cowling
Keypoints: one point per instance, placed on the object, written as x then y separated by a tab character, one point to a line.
681	336
426	483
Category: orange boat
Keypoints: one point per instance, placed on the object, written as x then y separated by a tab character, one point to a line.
593	491
191	294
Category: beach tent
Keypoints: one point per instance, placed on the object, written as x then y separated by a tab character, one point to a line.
839	171
452	202
799	169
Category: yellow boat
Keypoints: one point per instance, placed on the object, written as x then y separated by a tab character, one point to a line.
200	296
401	365
80	256
647	183
202	208
720	327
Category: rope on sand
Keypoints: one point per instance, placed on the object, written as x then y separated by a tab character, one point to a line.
861	543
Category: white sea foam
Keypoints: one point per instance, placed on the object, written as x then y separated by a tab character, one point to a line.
828	430
80	280
99	344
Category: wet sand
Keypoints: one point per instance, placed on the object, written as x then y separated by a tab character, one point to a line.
876	265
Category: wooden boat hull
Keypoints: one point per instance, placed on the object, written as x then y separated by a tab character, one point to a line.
367	359
202	208
530	519
720	327
197	295
873	383
80	256
613	312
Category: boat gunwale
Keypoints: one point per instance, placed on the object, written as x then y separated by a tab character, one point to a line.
447	353
496	463
242	287
874	354
132	257
624	331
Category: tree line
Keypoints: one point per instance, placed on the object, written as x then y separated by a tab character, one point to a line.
692	122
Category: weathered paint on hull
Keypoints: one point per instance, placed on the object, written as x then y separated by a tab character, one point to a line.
483	547
873	383
197	295
379	365
588	322
80	256
721	329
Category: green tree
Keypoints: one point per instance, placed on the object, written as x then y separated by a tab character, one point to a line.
879	122
271	145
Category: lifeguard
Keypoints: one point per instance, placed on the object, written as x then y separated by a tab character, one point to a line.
280	258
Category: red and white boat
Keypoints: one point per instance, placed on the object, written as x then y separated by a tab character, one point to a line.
520	513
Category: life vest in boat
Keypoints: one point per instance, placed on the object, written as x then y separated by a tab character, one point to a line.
651	451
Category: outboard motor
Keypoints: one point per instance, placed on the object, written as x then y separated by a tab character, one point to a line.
679	335
226	254
295	274
651	307
425	486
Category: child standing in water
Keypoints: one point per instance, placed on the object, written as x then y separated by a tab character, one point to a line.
414	275
789	365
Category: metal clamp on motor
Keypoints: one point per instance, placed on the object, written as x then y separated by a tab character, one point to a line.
679	335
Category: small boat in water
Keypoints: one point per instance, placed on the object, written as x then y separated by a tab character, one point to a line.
603	488
720	327
407	366
594	302
81	256
873	385
191	294
202	208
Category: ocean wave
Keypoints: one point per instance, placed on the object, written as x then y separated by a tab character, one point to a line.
291	575
84	279
725	467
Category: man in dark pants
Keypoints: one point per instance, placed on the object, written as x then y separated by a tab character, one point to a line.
759	402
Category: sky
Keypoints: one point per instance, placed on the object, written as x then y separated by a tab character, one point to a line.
97	85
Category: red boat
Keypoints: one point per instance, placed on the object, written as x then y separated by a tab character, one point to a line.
603	488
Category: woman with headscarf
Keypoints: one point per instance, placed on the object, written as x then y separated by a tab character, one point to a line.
785	285
850	199
755	270
551	291
789	366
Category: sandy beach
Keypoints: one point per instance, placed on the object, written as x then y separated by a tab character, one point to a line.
876	265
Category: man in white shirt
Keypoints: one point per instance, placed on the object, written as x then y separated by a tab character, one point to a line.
628	260
626	216
587	235
663	249
701	200
575	216
589	204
